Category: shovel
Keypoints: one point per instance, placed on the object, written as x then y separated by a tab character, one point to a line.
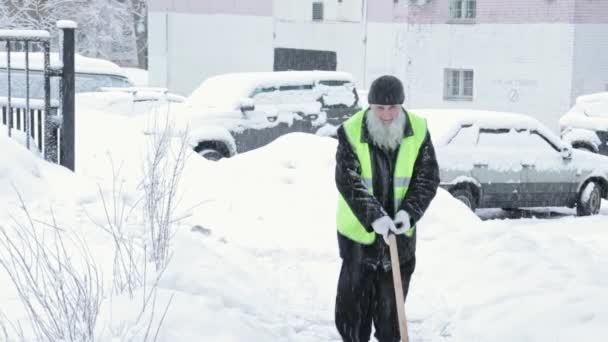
392	242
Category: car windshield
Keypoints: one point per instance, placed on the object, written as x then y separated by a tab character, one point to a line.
220	92
84	83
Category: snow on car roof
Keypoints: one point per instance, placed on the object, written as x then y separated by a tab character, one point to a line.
589	112
590	98
444	123
592	104
227	90
82	64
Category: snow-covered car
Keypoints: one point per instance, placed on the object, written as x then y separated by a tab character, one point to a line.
130	101
585	126
234	113
508	160
91	74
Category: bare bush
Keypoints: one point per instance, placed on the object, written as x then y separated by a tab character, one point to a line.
61	299
128	271
163	168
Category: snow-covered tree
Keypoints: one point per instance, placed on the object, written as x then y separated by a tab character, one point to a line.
109	29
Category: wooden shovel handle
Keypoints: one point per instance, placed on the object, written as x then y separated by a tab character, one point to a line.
392	242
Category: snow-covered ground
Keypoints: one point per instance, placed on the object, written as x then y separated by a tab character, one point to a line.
255	257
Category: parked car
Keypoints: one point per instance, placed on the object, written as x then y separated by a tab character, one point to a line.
507	160
131	101
585	126
233	113
91	74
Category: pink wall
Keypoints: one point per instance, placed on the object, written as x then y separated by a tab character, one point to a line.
435	11
591	12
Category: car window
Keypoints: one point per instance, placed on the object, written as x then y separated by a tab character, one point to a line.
84	83
295	94
494	137
285	94
466	136
18	82
337	93
265	96
540	143
92	82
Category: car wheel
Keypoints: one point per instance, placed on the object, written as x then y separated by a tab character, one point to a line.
465	195
211	154
589	200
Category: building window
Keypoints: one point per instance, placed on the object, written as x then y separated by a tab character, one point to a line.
317	11
463	9
458	85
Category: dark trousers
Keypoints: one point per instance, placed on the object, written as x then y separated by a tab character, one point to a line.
367	295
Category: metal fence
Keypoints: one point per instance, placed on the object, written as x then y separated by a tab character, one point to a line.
44	123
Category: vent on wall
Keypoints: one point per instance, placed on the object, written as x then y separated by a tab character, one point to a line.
317	11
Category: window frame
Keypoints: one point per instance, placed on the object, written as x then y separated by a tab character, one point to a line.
318	7
448	81
463	11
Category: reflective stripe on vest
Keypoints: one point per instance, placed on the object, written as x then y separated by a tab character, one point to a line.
347	223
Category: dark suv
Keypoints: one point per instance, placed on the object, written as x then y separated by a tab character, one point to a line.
233	113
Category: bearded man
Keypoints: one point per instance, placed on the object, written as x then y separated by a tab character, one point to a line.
387	175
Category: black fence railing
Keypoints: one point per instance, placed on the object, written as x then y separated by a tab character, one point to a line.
46	123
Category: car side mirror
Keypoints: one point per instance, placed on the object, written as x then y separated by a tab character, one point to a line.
247	105
566	153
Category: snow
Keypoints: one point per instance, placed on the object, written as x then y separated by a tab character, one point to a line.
139	77
589	112
572	135
256	257
226	91
444	123
21	34
82	64
587	192
67	24
21	102
502	152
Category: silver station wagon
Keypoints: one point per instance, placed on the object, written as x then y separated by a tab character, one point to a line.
508	160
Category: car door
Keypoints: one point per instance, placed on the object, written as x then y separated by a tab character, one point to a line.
497	166
549	179
454	158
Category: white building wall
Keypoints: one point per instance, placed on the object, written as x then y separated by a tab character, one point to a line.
521	68
590	73
518	67
200	46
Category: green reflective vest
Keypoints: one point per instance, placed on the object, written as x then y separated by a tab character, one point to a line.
347	223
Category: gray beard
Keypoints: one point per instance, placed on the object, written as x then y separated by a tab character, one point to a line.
387	137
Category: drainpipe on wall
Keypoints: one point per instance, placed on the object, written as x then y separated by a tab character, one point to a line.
167	64
364	17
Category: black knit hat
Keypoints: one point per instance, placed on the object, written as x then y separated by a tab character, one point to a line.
386	90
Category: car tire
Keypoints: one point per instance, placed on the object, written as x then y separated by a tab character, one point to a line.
211	154
466	196
589	200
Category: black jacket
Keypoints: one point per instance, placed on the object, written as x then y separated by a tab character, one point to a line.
367	208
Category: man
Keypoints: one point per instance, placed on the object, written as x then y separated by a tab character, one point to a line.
387	175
